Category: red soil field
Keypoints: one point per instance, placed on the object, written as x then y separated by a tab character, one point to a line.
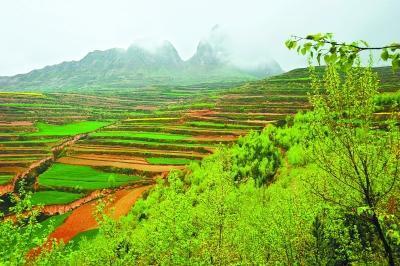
20	155
144	107
82	218
16	123
114	158
11	170
202	112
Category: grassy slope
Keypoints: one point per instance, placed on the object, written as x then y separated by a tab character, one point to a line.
86	235
67	129
48	225
166	161
82	177
4	179
54	197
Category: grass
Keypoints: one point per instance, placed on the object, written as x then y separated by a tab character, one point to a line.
34	105
165	160
142	135
13	94
387	98
50	223
81	178
30	141
4	179
45	129
54	197
21	158
88	235
191	106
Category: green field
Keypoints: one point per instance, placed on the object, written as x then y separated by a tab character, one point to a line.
81	178
140	135
54	197
30	141
88	235
45	129
166	161
34	105
4	179
51	223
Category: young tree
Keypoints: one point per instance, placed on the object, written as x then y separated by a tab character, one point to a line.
359	162
21	232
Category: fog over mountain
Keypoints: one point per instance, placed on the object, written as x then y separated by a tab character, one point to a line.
148	62
45	32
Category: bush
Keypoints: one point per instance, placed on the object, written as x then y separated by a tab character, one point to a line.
297	155
255	156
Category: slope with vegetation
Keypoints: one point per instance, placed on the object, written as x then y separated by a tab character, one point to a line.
317	188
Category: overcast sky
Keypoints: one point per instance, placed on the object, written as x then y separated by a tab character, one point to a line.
36	33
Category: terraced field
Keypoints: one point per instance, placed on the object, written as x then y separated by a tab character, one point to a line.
68	145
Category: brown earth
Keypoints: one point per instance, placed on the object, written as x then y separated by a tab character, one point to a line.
202	112
21	149
16	123
11	170
21	155
109	157
144	107
83	219
4	189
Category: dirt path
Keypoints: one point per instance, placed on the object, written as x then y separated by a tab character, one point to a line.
82	218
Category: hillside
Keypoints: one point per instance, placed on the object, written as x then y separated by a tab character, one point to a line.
135	67
236	147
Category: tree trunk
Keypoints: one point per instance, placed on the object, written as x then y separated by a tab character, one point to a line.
386	246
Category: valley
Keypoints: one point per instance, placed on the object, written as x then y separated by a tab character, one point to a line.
72	148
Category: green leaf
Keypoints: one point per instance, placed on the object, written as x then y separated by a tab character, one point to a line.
362	210
326	59
365	43
395	64
333	58
288	44
395	46
385	55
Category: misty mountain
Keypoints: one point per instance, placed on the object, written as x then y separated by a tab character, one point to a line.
137	66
